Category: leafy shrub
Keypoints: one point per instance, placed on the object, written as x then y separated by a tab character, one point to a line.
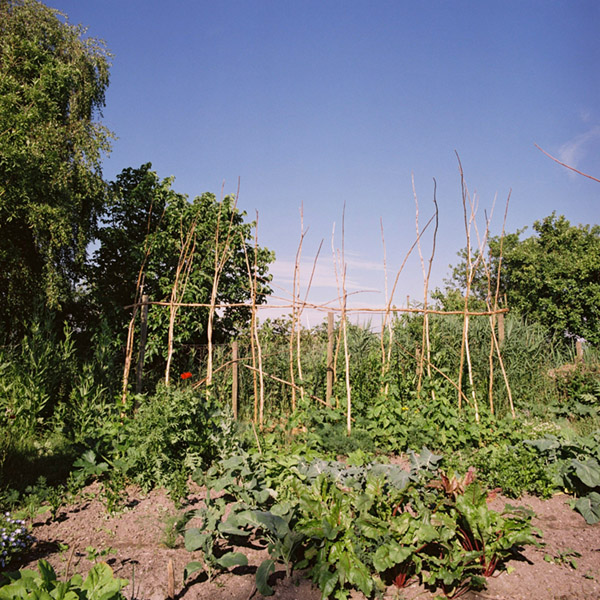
575	467
514	469
169	437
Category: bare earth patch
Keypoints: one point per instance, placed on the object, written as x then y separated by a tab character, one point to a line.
136	536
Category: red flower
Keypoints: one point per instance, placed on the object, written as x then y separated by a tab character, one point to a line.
186	375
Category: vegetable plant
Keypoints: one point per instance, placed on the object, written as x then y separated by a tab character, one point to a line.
99	584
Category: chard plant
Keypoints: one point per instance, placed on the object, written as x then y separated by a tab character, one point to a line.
355	527
490	534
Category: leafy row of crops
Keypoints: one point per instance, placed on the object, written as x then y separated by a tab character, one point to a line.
333	505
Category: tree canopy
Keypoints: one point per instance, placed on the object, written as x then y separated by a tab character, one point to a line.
54	204
145	228
52	89
552	277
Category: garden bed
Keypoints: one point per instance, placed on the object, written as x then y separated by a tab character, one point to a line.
135	543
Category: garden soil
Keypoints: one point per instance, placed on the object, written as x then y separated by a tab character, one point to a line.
133	542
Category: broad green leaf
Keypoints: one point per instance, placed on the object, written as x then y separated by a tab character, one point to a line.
101	583
234	526
588	471
195	539
191	568
344	565
544	444
47	572
390	555
262	575
222	483
425	460
327	581
233	462
589	507
232	559
263	495
273	523
360	577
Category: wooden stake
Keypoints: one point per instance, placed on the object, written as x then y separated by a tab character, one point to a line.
143	339
329	391
219	263
170	581
234	379
501	329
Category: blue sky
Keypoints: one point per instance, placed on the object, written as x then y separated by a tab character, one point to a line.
329	103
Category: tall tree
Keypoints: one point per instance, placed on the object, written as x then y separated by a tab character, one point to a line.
52	89
145	228
552	277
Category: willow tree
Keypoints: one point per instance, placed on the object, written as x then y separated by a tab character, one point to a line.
52	90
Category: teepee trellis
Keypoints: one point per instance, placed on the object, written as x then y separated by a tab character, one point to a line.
338	339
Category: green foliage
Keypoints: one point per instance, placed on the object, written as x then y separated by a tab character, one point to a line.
39	499
566	557
173	433
94	554
169	433
146	224
283	541
361	536
174	528
100	584
208	539
574	466
36	375
51	404
487	532
52	86
551	277
515	470
354	527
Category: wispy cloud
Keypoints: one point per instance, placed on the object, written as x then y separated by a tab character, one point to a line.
574	151
325	272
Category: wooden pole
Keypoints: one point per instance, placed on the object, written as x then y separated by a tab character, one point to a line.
501	329
578	352
329	358
143	339
234	377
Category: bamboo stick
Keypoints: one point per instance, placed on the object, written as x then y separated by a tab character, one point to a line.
340	265
425	341
464	349
139	290
329	390
219	264
182	272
